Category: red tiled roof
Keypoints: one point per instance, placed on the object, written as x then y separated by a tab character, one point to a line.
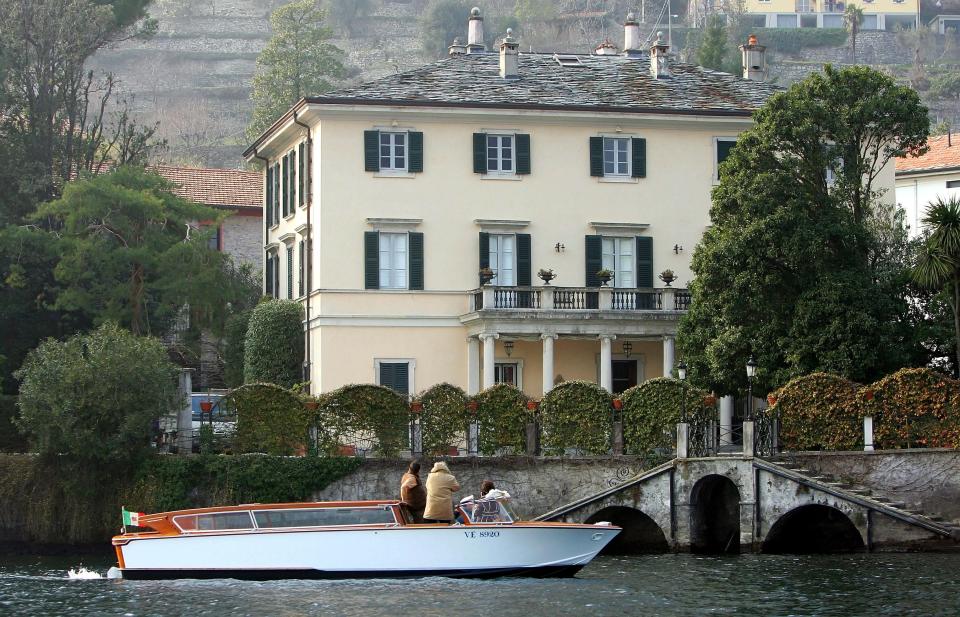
231	188
940	156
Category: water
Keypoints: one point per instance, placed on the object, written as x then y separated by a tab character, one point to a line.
668	585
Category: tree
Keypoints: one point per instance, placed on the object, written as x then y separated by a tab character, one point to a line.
852	20
95	396
128	240
803	265
273	349
442	22
345	12
714	45
938	265
298	61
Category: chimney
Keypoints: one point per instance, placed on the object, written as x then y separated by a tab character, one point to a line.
754	60
475	33
659	66
631	36
605	48
458	48
509	56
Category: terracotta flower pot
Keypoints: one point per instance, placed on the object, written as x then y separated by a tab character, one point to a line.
709	400
312	405
771	399
868	395
416	407
347	450
617	404
532	405
206	406
472	406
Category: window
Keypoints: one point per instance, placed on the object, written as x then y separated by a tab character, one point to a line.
321	517
500	154
214	522
953	184
396	375
289	272
507	372
393	151
618	257
302	269
214	241
722	148
276	193
268	276
616	156
393	261
503	259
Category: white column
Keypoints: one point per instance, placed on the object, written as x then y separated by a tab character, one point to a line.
473	365
548	340
668	356
726	420
867	433
185	413
606	361
488	358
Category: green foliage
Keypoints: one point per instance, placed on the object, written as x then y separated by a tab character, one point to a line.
298	61
915	407
443	21
578	415
819	412
95	396
852	21
502	419
652	409
345	12
11	439
235	334
443	419
806	274
274	345
270	419
366	416
946	86
713	47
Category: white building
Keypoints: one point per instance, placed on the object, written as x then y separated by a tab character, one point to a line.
923	179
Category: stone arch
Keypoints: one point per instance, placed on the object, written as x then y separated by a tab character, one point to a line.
813	528
715	516
640	534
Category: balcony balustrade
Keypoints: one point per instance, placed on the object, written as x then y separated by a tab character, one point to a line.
550	298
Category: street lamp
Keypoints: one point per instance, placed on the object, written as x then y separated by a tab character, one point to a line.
751	373
682	375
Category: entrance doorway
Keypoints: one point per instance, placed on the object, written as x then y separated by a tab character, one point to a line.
715	516
624	374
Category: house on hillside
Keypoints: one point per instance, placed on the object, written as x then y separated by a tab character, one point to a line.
923	179
888	15
390	204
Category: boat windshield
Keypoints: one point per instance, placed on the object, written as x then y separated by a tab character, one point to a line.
487	511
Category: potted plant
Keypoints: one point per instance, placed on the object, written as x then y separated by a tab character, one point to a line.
416	406
771	399
486	275
473	406
311	404
667	276
605	276
532	405
709	400
546	275
206	406
618	404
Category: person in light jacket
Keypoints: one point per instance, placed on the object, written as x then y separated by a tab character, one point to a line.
441	485
412	492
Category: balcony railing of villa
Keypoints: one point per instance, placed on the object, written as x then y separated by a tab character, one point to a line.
550	298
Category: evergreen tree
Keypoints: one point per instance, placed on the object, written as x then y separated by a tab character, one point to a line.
713	48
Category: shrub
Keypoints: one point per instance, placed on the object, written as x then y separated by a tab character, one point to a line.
443	419
914	407
576	414
818	412
235	334
11	439
502	419
270	419
366	416
652	410
96	395
273	347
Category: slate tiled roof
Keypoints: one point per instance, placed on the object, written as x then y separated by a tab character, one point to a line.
225	188
602	83
944	155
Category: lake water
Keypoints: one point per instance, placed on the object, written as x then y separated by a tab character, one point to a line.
669	585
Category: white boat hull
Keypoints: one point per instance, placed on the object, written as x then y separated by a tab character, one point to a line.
469	551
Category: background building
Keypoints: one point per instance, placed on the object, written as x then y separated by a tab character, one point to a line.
923	179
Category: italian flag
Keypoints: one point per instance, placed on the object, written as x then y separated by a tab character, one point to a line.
131	518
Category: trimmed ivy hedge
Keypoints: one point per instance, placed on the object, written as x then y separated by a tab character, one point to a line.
367	417
443	419
819	412
502	419
577	415
915	407
652	409
270	419
273	347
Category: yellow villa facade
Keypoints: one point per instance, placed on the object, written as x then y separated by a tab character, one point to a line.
387	203
877	14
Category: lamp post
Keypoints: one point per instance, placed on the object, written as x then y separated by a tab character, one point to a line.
682	376
751	373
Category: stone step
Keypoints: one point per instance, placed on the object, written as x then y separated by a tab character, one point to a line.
936	518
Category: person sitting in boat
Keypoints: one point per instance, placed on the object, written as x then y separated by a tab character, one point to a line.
485	487
412	492
487	509
441	485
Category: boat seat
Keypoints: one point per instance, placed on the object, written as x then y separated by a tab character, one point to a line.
486	511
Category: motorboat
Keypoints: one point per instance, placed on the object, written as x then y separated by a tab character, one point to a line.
352	539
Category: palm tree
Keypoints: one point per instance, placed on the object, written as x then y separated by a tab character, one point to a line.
938	265
853	19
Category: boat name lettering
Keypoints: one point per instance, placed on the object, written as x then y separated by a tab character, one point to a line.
482	534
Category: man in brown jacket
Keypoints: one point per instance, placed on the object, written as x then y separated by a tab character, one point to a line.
412	492
441	485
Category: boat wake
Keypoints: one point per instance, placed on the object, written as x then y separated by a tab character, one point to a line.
82	573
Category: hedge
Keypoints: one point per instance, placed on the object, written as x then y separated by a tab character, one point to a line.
443	418
502	418
11	439
273	347
270	419
819	412
577	415
367	417
235	334
914	407
652	409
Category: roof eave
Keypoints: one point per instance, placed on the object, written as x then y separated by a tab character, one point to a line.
927	170
251	151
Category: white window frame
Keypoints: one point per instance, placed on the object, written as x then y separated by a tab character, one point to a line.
518	363
500	253
616	162
392	170
392	262
411	370
716	156
616	256
499	158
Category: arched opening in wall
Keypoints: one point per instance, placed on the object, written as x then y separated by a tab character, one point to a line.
813	528
715	516
640	533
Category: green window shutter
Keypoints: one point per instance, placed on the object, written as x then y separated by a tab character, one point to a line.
479	153
415	153
301	270
268	272
286	185
724	148
371	150
276	275
594	261
396	376
301	188
293	180
644	261
371	259
638	153
596	157
523	154
268	206
415	242
524	259
276	192
290	272
484	250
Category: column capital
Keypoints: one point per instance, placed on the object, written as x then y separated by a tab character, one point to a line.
669	337
544	337
607	337
488	335
473	338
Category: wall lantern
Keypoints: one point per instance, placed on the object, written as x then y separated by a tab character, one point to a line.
682	371
508	347
627	348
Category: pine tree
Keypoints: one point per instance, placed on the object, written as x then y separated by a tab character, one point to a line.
714	45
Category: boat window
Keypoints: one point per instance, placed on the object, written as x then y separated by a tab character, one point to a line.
321	517
218	521
486	511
